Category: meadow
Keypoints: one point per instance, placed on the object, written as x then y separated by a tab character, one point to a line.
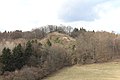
100	71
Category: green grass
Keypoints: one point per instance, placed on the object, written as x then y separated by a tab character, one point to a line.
101	71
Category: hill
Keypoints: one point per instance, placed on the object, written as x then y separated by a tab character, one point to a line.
58	50
59	39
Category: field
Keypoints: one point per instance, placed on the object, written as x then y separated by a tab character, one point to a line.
101	71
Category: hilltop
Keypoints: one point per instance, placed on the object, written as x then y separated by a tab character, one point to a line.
59	39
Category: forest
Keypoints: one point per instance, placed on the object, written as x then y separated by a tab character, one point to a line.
48	49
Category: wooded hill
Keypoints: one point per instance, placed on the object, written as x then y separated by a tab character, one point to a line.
48	49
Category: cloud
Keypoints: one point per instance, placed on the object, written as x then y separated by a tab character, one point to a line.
109	14
28	14
80	10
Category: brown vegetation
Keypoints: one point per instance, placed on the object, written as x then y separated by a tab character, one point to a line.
55	50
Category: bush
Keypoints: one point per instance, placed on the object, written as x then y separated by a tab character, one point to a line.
49	43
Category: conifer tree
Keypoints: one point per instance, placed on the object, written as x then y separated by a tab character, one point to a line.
18	56
6	59
6	55
28	51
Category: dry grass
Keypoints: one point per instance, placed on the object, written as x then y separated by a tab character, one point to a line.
102	71
59	39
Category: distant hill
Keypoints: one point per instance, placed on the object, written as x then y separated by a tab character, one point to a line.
59	39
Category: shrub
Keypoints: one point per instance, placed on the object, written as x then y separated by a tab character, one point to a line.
49	43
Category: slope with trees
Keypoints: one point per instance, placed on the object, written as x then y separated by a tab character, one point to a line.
58	47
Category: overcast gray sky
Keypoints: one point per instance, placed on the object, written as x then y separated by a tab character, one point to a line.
90	14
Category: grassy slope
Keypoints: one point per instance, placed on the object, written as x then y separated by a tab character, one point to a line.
102	71
59	40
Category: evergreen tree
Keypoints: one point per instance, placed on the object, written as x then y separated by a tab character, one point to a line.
75	33
28	50
18	57
6	59
82	30
6	55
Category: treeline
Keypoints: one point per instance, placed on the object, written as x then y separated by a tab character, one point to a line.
37	33
94	47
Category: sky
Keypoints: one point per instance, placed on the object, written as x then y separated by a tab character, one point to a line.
91	14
